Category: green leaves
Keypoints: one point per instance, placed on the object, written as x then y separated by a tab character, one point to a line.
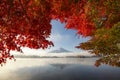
105	42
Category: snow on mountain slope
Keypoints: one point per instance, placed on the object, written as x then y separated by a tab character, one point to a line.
60	50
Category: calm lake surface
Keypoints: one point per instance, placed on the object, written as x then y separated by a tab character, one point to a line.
57	69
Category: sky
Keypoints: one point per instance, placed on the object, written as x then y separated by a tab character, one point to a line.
62	38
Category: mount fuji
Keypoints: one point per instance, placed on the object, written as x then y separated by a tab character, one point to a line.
60	50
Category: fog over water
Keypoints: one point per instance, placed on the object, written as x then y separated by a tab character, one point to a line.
57	69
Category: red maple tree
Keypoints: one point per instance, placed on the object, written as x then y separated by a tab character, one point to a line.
26	23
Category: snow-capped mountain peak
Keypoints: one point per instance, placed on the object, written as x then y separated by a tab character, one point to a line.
60	50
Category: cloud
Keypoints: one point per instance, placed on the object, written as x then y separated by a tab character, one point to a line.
28	51
57	37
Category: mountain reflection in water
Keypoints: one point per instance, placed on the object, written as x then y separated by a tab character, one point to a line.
58	69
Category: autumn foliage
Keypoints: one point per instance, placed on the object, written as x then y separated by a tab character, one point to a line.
26	23
23	23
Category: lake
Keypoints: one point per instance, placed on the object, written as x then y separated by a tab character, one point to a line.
57	69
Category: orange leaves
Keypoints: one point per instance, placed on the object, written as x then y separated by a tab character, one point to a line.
81	24
75	16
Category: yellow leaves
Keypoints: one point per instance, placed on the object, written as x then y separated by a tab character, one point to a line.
86	8
118	45
37	2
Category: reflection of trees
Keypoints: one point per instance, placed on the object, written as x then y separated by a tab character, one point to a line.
60	66
113	60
